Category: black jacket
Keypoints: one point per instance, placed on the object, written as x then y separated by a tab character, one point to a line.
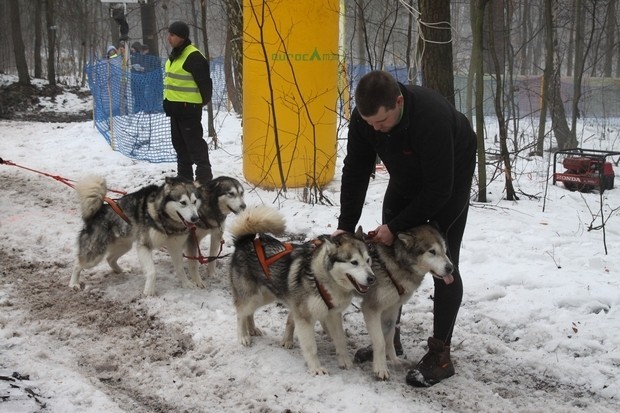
430	156
198	66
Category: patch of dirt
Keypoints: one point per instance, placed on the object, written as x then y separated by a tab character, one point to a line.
111	341
18	102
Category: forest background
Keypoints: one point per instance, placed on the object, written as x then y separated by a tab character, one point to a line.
529	59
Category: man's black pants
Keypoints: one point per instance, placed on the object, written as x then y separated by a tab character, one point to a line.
191	148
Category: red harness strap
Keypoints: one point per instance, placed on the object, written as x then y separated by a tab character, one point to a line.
325	295
265	262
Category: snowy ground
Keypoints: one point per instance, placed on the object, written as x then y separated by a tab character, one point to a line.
537	332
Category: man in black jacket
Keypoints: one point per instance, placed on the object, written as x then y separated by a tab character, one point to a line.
187	88
429	150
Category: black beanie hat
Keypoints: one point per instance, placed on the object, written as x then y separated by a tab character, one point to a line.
180	29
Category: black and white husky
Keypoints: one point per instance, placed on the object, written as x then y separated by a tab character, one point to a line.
315	280
151	218
218	198
400	269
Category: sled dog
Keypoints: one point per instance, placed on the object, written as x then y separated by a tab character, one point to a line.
152	217
218	198
399	269
315	280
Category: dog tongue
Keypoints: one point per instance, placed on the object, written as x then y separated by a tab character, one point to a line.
448	279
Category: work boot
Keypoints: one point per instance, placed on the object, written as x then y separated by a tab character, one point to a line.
434	366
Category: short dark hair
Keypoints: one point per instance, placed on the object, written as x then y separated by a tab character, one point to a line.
376	89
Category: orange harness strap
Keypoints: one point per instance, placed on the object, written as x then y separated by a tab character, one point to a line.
288	248
266	262
117	209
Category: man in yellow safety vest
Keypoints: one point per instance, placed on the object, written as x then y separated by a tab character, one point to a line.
187	88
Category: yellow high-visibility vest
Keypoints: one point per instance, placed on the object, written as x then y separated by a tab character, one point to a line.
179	84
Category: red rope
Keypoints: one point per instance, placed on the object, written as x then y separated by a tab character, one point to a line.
201	258
66	181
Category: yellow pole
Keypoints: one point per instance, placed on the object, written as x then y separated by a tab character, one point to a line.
290	92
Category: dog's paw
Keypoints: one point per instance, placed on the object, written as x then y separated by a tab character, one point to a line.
76	286
245	341
382	374
199	283
186	283
345	362
319	371
255	332
148	292
287	343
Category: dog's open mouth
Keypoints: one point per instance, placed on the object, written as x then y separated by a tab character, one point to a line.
188	225
448	278
362	289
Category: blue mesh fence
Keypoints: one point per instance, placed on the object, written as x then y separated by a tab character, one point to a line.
128	108
128	101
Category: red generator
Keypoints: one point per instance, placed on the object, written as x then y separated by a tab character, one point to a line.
586	169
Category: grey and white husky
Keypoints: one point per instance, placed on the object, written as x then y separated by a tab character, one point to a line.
152	217
400	269
218	198
315	280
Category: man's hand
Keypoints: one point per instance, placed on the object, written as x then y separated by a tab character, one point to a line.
383	235
338	232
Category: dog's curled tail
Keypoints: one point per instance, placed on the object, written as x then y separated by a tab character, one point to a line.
91	191
258	219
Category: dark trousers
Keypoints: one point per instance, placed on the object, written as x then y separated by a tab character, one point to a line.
191	148
451	220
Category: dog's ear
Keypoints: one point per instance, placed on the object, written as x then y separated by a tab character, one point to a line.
329	242
407	239
359	234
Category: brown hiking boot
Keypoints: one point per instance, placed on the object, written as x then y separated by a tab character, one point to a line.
434	366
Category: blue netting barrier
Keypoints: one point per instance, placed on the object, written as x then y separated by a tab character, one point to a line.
128	99
128	106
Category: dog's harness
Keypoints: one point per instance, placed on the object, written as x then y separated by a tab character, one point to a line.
201	258
265	262
117	209
399	288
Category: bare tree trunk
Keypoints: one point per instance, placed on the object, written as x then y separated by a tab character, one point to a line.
233	54
18	45
149	27
51	42
525	24
410	42
546	79
477	20
610	43
38	69
571	43
559	124
205	38
499	105
437	67
362	35
579	63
